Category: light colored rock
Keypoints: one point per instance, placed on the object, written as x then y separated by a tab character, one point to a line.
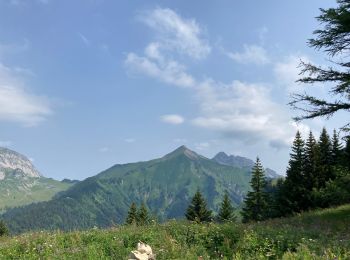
136	255
144	248
12	160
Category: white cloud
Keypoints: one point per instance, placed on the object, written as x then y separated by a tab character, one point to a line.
17	104
170	72
130	140
177	33
202	146
242	111
172	119
287	72
104	149
252	54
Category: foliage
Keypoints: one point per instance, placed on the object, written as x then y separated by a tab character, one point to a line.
315	235
226	212
142	217
334	39
3	229
17	189
317	176
297	197
197	210
256	202
166	185
132	214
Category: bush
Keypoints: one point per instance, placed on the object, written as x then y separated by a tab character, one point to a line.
3	229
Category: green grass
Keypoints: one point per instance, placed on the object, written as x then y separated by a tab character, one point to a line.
323	234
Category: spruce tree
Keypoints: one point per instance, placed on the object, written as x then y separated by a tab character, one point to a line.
325	172
310	164
226	212
333	39
197	210
142	215
346	155
336	149
3	229
255	204
132	215
297	197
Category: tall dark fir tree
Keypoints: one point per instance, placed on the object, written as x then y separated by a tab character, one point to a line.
310	162
226	212
132	215
337	149
197	210
256	202
325	171
296	194
142	215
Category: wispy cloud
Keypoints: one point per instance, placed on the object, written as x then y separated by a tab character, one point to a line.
177	33
84	39
251	54
172	119
130	140
17	104
238	110
170	71
104	149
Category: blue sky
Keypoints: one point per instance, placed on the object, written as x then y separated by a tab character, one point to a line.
88	84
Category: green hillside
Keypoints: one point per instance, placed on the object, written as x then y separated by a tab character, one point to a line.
165	185
322	234
17	189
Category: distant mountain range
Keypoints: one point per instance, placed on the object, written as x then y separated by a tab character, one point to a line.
165	185
21	183
242	162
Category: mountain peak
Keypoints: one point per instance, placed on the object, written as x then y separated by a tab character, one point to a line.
10	159
182	150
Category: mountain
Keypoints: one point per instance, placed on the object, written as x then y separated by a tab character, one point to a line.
21	183
242	162
166	185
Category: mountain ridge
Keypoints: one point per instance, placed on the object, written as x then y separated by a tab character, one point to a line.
165	185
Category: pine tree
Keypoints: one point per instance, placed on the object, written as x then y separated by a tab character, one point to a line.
333	38
346	155
336	149
3	229
255	203
142	216
297	197
310	164
226	212
197	210
325	172
132	215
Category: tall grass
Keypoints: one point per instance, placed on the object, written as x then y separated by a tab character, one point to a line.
316	235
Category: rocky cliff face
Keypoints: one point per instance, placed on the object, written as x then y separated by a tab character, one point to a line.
11	160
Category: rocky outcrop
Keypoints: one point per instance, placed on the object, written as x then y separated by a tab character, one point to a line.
12	160
143	252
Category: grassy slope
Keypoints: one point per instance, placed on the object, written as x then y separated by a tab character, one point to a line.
17	192
316	235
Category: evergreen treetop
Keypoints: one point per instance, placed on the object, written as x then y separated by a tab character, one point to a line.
197	210
143	216
132	214
256	202
226	212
